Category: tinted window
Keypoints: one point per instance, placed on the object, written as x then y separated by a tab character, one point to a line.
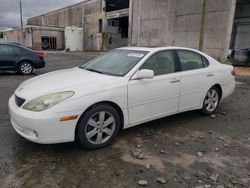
190	60
161	63
6	50
205	62
16	50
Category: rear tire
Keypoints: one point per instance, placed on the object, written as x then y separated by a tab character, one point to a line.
98	127
26	68
211	101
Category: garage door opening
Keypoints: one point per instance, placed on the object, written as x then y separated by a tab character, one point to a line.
114	5
118	32
240	38
49	43
239	53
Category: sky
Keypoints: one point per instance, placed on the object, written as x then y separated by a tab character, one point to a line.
10	15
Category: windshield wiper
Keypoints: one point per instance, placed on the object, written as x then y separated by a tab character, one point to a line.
93	70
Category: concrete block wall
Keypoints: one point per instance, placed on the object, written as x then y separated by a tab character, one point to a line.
92	13
85	14
31	36
178	23
39	32
67	16
23	36
218	27
149	22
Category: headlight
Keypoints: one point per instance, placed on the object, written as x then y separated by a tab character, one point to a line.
42	103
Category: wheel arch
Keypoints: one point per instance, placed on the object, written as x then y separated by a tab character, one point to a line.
25	60
113	104
218	86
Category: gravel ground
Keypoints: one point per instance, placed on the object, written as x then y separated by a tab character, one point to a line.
184	150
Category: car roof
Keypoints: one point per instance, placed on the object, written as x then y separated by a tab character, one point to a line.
155	49
12	44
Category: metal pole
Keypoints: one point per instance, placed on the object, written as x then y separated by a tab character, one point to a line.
202	26
21	14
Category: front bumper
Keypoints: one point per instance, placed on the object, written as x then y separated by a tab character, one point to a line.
42	127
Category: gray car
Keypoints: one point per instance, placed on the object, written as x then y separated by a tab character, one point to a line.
15	57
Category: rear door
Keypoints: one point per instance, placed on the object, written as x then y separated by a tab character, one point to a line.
9	56
196	79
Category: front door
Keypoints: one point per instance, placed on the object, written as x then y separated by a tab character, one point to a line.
152	98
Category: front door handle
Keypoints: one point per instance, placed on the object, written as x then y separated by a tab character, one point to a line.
210	75
175	80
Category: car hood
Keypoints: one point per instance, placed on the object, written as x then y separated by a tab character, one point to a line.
63	80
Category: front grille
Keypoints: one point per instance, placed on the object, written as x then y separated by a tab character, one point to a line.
19	101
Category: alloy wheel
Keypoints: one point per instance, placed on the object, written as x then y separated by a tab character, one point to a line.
212	100
100	127
26	68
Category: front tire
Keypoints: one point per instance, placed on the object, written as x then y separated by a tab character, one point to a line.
211	101
98	127
25	68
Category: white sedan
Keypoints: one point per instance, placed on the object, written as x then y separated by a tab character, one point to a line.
120	89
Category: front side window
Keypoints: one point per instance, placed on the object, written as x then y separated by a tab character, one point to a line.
116	62
161	63
190	60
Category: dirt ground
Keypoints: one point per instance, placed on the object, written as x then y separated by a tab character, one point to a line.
184	150
243	71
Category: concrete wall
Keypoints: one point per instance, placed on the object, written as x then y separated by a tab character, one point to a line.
39	32
85	14
23	36
68	16
178	22
92	13
31	36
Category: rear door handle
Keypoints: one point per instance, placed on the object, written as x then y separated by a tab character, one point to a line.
210	74
175	80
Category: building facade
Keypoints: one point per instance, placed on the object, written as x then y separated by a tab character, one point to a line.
212	26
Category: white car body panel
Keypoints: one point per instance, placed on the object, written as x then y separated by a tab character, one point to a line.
139	100
160	97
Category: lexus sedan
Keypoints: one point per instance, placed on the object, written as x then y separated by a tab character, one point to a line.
120	89
16	57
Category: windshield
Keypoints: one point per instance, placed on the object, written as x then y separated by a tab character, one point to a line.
116	62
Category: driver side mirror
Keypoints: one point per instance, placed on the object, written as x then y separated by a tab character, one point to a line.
143	74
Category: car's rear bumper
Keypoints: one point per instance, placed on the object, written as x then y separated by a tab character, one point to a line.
39	65
41	127
228	89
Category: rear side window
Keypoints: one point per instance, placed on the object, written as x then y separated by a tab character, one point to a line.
16	51
191	61
6	50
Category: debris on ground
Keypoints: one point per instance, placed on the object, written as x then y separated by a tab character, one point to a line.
148	166
161	180
213	116
143	182
200	154
162	151
214	177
